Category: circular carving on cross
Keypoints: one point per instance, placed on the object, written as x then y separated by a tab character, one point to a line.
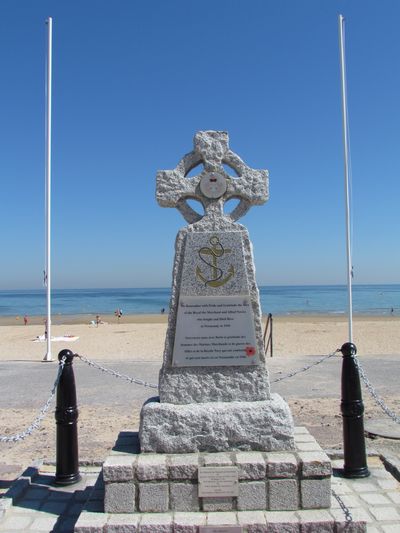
213	186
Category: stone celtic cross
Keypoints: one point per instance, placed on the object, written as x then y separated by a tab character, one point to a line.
213	186
213	384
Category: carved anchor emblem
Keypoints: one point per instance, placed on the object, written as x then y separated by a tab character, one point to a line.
213	253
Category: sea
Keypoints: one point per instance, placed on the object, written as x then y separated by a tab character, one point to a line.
383	300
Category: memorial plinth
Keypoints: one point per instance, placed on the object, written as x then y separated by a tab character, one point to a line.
216	450
229	481
265	492
213	386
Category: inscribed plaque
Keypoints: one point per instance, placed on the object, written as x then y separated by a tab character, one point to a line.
215	331
218	481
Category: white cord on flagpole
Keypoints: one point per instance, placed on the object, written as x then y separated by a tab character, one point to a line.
346	174
48	356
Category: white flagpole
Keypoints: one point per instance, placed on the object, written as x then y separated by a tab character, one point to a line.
346	173
48	356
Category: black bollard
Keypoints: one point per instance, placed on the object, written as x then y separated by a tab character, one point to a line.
352	408
67	463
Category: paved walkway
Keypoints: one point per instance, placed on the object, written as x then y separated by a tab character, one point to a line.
34	505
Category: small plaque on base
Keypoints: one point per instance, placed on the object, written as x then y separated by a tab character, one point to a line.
218	481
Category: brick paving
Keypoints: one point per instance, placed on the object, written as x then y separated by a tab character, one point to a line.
33	504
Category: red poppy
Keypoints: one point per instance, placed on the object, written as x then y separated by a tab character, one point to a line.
250	351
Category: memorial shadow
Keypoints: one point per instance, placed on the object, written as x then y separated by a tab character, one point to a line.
5	484
37	492
127	442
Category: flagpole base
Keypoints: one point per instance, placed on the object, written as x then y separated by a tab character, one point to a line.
48	357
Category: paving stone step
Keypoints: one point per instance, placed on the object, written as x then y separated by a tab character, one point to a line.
319	521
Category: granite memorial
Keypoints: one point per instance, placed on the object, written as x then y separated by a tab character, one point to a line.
217	452
213	384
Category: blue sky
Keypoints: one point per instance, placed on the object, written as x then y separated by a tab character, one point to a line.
133	81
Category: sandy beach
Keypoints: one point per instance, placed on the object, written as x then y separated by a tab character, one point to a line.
140	338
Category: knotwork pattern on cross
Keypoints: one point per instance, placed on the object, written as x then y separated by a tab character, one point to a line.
213	186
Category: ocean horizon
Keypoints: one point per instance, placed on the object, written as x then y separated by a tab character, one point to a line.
373	300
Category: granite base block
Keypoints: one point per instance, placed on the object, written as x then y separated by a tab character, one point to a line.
252	496
123	523
184	497
284	495
218	426
315	493
120	497
218	504
153	497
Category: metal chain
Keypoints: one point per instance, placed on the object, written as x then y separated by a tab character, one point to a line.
153	386
115	373
374	394
295	372
345	509
42	413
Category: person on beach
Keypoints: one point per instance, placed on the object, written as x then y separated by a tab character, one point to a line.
118	313
25	320
97	320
